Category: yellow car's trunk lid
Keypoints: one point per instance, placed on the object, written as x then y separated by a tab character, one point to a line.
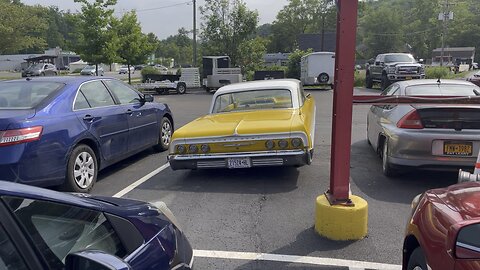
238	123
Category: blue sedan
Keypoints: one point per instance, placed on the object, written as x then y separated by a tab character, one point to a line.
63	130
44	229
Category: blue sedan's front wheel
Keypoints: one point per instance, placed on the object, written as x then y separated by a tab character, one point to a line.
82	170
166	132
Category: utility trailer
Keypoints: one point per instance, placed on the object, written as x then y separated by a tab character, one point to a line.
163	87
165	83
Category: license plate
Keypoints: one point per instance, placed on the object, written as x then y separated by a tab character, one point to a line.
408	78
458	148
238	163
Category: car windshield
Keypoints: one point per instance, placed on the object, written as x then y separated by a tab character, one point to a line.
391	58
253	100
442	90
36	66
25	95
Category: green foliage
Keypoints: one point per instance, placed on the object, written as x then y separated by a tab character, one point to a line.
294	61
226	24
178	47
133	46
299	17
251	54
359	79
437	72
20	28
98	41
149	70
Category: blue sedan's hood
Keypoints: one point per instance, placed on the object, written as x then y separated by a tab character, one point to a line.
10	117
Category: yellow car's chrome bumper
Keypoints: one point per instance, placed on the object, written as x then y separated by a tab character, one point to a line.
255	159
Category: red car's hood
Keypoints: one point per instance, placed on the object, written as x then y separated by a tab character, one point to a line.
462	198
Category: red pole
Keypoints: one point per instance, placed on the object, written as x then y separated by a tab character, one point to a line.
343	102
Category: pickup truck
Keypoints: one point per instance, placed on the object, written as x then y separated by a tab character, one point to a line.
391	67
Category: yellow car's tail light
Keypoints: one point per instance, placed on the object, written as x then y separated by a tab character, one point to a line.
193	148
283	144
205	148
181	149
296	142
269	144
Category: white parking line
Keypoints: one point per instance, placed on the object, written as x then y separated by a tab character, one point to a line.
250	256
140	181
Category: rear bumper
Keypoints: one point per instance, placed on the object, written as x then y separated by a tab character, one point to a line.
261	159
424	148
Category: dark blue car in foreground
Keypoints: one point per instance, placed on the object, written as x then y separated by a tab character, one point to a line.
63	130
44	229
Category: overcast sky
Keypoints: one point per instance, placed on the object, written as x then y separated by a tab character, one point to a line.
165	17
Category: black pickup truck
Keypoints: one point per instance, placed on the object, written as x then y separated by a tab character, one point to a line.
391	67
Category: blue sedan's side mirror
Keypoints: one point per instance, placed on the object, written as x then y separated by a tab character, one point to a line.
148	98
94	260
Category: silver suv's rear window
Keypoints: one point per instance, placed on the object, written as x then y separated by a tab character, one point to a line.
26	94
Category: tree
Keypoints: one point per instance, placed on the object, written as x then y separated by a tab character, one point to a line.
20	28
133	46
294	61
300	17
383	30
226	24
98	42
178	47
251	54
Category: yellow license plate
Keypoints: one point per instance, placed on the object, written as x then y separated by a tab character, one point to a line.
458	149
408	78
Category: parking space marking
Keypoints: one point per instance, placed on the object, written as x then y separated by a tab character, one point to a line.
141	181
251	256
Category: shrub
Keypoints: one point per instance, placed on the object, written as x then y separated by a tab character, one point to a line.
359	80
76	71
437	73
149	70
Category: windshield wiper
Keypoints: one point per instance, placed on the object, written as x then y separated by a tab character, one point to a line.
476	92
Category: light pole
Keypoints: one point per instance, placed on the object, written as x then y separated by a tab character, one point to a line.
194	33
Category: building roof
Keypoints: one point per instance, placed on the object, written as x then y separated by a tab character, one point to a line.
456	49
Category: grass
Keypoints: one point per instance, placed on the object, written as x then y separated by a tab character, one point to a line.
359	79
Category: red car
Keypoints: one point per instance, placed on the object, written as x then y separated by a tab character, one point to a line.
444	230
475	78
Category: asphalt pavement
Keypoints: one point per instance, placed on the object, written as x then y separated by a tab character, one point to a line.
262	218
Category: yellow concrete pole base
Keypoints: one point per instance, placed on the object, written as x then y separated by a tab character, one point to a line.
339	222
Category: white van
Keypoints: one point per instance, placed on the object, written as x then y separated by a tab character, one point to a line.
318	68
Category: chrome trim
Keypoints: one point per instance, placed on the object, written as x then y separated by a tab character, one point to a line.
241	138
467	246
267	162
240	154
238	144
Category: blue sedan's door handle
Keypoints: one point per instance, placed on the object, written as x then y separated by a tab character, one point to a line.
129	112
88	117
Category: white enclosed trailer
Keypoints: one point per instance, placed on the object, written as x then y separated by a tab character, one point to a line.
318	68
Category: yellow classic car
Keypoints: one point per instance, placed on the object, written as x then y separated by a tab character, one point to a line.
252	124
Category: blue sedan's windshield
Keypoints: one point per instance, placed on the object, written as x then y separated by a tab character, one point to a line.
26	94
